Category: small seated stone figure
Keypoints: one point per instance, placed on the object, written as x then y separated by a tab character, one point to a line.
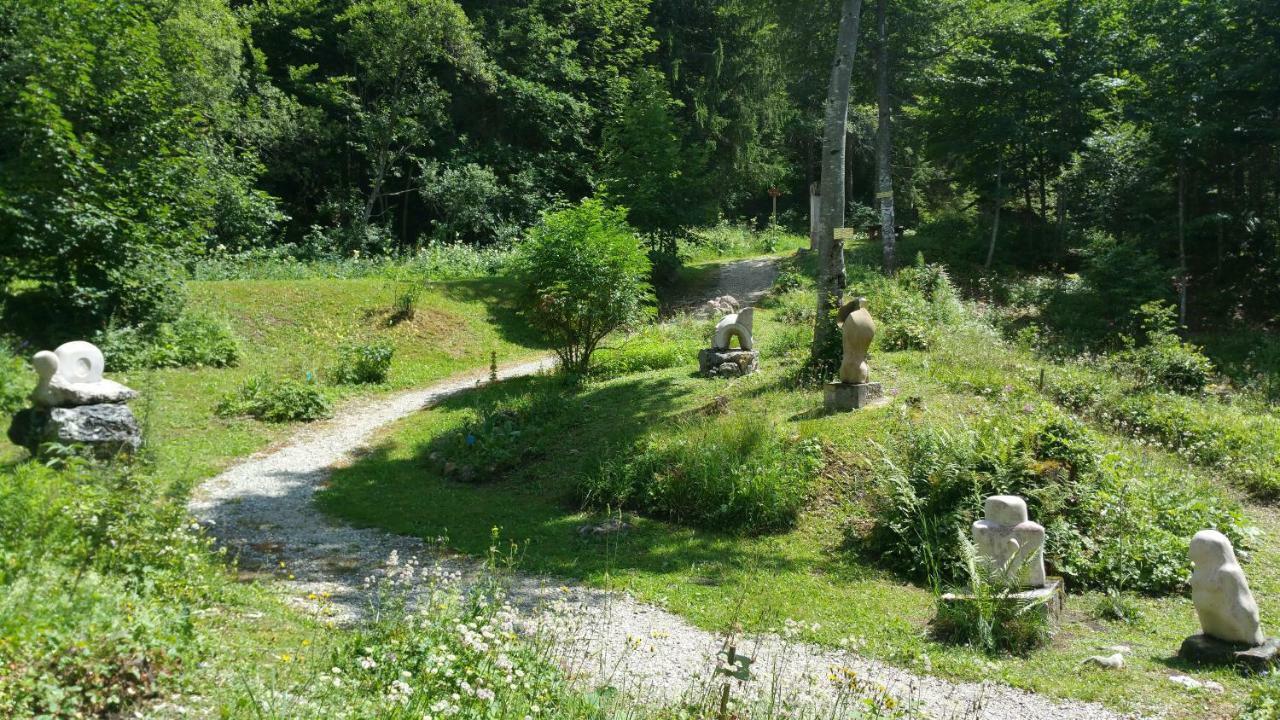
71	376
857	330
1009	542
736	325
1221	593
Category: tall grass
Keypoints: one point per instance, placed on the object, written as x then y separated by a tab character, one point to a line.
433	262
735	473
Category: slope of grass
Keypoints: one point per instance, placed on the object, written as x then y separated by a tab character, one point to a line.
809	573
293	328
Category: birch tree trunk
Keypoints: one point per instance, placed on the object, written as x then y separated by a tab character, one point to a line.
884	143
995	225
831	275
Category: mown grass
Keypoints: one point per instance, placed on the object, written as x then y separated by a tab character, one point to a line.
810	573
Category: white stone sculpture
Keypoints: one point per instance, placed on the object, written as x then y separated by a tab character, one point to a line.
1009	542
736	325
71	376
1221	593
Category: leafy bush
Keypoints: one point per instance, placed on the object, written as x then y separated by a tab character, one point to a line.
1091	310
988	618
911	308
275	400
583	275
1110	522
654	347
737	474
366	363
1165	361
193	340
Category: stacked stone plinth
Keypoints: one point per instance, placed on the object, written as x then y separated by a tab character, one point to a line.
74	405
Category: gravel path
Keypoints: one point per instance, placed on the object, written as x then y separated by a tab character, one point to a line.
261	510
746	280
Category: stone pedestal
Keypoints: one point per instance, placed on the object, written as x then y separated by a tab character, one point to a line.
107	429
1208	650
842	397
1050	599
728	363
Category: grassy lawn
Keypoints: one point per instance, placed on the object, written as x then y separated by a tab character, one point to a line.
293	328
810	573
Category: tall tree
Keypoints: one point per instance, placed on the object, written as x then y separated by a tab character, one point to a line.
884	143
831	271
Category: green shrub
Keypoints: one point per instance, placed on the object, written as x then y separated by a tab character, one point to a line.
366	363
911	309
737	474
653	347
275	400
583	275
988	618
193	340
787	281
1110	521
1165	361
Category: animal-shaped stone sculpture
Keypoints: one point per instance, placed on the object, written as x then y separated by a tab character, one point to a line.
71	376
1221	593
1009	542
857	330
736	325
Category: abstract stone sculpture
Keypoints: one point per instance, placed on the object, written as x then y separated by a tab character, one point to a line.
75	405
71	376
1220	591
1010	543
736	325
857	329
1232	631
853	389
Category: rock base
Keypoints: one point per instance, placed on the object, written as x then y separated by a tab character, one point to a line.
107	429
1050	598
1208	650
843	397
728	363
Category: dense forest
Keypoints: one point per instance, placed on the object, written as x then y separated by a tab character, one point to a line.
1136	137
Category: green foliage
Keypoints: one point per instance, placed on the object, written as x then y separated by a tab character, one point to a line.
92	552
501	437
583	275
272	399
1264	701
16	381
653	347
363	363
738	474
193	340
1110	523
115	144
1165	361
911	309
987	617
433	262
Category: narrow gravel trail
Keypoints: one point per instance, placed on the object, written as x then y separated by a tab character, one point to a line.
261	510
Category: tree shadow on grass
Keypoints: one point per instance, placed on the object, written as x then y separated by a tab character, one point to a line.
533	501
498	295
